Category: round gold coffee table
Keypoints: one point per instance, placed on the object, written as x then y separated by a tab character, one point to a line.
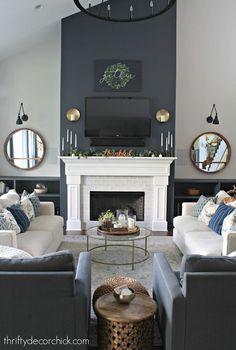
111	240
125	326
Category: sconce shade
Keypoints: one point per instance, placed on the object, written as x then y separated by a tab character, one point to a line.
19	121
216	120
209	119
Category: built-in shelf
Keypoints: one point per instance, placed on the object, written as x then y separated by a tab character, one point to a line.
22	183
206	187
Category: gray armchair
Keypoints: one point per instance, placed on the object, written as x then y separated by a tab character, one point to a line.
200	315
44	298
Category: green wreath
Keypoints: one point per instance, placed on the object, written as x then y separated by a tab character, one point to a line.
117	76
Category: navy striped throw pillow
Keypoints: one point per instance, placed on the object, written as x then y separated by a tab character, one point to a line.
217	219
20	217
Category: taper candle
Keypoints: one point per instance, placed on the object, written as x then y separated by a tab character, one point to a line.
62	145
75	140
67	136
171	141
71	138
161	139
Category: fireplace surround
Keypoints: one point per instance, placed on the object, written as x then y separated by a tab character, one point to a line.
117	174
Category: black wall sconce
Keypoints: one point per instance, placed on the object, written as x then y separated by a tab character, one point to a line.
24	117
210	118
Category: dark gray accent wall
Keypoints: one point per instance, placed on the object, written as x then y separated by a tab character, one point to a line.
85	39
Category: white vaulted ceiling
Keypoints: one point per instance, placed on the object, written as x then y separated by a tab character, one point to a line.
22	26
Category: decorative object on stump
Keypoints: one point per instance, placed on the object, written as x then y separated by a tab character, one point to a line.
113	282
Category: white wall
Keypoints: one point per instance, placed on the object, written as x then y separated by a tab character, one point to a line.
33	77
206	74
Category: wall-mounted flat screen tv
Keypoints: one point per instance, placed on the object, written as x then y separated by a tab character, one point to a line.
121	117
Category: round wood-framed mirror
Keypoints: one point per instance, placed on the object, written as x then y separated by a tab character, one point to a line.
210	152
24	149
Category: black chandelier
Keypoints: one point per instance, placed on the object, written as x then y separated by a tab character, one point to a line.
125	11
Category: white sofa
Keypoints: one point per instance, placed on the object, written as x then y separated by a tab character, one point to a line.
194	237
44	235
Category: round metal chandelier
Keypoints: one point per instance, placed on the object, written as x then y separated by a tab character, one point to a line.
125	11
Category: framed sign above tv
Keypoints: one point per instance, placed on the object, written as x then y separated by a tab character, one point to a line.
117	75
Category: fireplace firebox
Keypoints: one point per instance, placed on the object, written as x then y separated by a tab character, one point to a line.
101	201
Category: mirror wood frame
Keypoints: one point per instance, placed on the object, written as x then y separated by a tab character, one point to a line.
6	154
228	155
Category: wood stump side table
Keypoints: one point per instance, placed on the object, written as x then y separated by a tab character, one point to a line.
125	326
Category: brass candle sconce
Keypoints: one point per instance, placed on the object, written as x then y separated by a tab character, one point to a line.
73	115
162	116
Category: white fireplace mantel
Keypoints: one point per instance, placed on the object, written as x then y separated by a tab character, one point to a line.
158	168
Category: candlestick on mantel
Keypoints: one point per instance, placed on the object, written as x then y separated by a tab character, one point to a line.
161	139
75	140
166	144
62	145
71	138
171	140
168	137
67	135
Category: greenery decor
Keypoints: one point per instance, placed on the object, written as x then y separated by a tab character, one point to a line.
108	215
117	76
113	153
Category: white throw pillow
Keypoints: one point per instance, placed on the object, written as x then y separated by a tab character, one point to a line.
11	221
229	223
27	207
10	253
220	196
208	211
10	198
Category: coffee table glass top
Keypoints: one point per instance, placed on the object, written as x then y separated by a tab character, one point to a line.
143	233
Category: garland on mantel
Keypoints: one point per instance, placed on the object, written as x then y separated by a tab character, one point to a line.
117	153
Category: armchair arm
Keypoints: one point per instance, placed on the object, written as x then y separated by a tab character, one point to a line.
8	238
187	208
83	294
171	303
229	243
47	208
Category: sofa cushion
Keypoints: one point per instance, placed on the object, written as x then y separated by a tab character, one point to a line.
35	242
217	219
199	263
33	197
51	223
229	223
9	221
27	207
204	243
208	211
199	205
60	261
20	217
220	196
9	198
10	253
186	224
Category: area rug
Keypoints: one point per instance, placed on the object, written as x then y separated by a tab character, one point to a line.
142	271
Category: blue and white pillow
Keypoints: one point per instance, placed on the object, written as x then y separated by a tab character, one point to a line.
33	197
217	219
229	223
20	217
8	221
200	205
